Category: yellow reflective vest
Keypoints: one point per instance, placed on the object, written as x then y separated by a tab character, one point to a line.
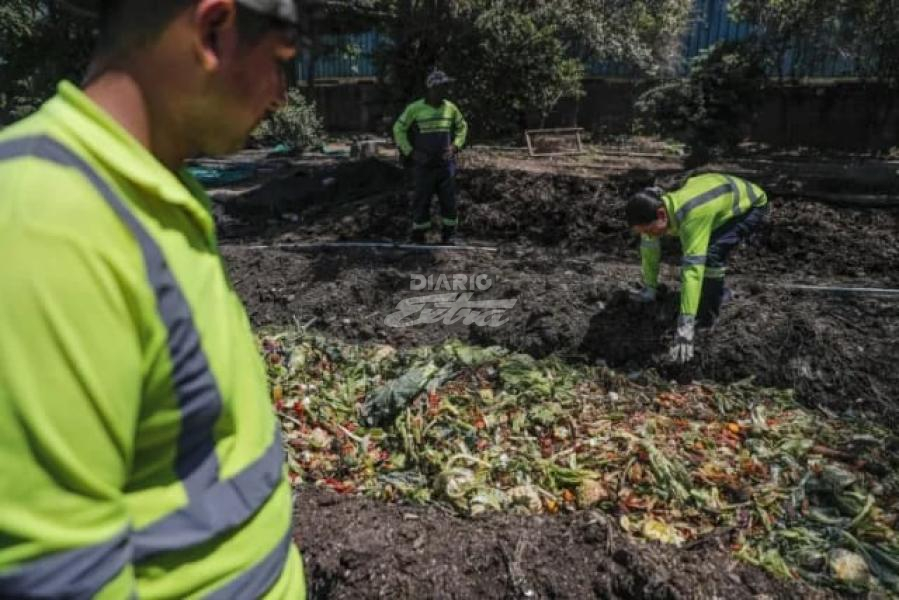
140	454
436	128
702	205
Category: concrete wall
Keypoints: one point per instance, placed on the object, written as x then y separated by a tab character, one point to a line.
841	115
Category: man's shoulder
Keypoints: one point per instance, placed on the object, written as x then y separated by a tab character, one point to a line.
43	188
703	178
416	104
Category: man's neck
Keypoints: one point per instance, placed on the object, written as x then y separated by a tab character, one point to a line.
125	100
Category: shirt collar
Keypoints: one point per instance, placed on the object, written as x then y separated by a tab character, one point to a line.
673	225
109	144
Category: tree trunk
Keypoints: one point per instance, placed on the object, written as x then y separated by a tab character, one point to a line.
312	57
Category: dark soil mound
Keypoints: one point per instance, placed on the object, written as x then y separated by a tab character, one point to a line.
566	257
834	351
367	201
356	548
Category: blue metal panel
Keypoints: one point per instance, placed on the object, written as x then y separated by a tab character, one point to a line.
353	57
710	24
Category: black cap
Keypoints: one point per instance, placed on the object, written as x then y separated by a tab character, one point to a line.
285	10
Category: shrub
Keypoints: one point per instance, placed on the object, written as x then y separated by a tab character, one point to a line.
296	125
712	108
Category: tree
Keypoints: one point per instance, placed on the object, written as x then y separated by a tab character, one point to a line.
513	58
646	34
39	45
714	106
865	32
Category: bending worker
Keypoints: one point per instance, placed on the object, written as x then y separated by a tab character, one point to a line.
438	133
141	457
711	214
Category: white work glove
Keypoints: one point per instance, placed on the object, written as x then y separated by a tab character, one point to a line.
682	350
645	296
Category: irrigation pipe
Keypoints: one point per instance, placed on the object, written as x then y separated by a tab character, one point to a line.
311	247
827	289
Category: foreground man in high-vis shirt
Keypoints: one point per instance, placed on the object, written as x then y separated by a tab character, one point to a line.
140	455
711	214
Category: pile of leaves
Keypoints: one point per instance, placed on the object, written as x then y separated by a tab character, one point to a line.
800	493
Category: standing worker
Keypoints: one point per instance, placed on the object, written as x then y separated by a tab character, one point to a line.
711	214
141	457
439	132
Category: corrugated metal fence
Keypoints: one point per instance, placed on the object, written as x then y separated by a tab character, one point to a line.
352	56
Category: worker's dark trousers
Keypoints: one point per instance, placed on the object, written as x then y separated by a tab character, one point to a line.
429	181
724	239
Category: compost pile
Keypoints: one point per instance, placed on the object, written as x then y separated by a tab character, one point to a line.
478	430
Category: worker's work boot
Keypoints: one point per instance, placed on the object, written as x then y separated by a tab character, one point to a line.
418	237
449	235
710	302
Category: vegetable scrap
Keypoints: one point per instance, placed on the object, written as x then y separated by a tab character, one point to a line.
798	492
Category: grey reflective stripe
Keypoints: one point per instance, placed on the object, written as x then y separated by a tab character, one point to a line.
736	190
214	507
260	578
432	119
222	507
715	272
689	261
700	200
650	244
198	395
79	573
750	191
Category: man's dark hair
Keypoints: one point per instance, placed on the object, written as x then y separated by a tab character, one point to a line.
643	207
129	24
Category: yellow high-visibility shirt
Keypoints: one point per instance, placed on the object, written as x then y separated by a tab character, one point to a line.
437	127
141	457
701	206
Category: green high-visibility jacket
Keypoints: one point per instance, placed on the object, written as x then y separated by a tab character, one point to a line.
437	128
140	455
702	205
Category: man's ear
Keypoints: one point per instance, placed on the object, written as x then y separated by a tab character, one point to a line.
211	19
662	214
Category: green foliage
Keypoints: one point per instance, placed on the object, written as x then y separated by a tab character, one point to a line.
643	33
296	125
39	46
518	58
521	69
865	32
711	108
